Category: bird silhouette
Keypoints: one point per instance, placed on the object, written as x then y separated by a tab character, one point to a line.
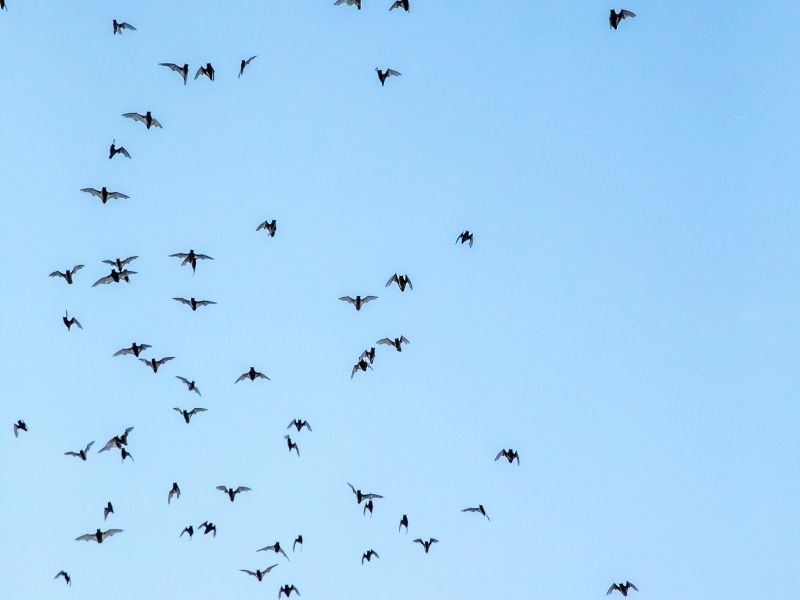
401	280
135	349
233	492
384	75
188	414
269	226
182	71
190	530
67	274
104	194
510	455
298	424
252	375
20	425
208	527
108	510
207	70
98	536
70	321
400	4
615	18
368	555
276	548
403	523
190	385
82	454
65	575
190	258
113	150
147	118
622	588
288	589
244	64
478	509
115	277
194	304
175	490
119	27
259	574
395	342
155	364
292	445
358	301
119	264
426	544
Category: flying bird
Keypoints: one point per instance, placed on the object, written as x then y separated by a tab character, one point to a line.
361	365
119	264
192	387
117	441
175	490
403	523
113	150
69	322
400	4
115	277
384	75
361	495
194	304
298	540
155	364
208	71
208	527
356	3
368	354
108	510
368	555
276	548
292	445
269	226
20	425
189	530
298	424
148	119
288	589
232	492
510	455
622	588
98	536
252	375
123	453
614	18
104	194
242	66
426	544
65	575
466	236
182	71
396	342
135	349
120	27
67	274
401	280
3	5
259	574
358	301
190	258
80	453
188	414
477	509
368	506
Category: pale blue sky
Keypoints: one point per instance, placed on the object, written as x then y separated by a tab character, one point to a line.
627	318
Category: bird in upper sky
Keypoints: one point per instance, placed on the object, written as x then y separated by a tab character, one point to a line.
175	490
80	453
356	3
20	425
298	424
70	321
614	18
368	354
207	70
188	414
148	119
276	548
622	588
384	75
478	509
190	258
466	236
368	555
368	506
113	150
123	454
361	495
400	4
361	365
182	71
510	455
194	304
269	226
232	492
108	510
135	349
292	445
358	301
426	544
252	375
298	540
115	277
67	274
190	530
119	27
395	342
98	536
208	527
119	264
259	574
288	589
244	63
65	575
401	280
3	5
403	523
104	194
155	364
117	441
192	387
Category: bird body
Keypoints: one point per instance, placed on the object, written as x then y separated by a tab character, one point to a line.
119	264
614	17
426	544
276	548
82	454
358	301
288	589
298	424
361	365
155	364
384	75
466	236
360	496
98	536
191	385
298	540
208	527
188	414
189	530
368	354
148	119
104	194
70	321
67	274
233	492
252	375
115	277
622	588
117	441
190	258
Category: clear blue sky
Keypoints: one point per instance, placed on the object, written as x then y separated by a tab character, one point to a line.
627	318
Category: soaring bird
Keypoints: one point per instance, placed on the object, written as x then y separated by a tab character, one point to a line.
622	588
477	509
207	70
20	425
361	365
292	445
65	575
400	4
403	523
252	375
368	555
188	414
98	536
396	342
298	424
69	322
244	63
113	150
194	304
80	453
288	589
67	274
192	387
259	574
298	540
358	301
119	264
356	3
368	354
148	119
115	277
232	492
117	441
135	349
269	226
361	495
108	510
401	280
189	530
276	548
426	544
614	17
155	364
104	194
510	455
384	75
120	27
175	490
208	527
182	71
190	258
466	236
368	506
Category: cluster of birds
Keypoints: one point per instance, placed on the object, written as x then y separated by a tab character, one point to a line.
120	272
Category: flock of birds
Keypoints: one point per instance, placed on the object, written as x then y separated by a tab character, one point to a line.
120	272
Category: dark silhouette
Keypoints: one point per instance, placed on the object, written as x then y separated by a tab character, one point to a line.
135	349
298	424
242	66
113	150
510	455
400	4
358	301
69	322
276	548
182	71
80	453
20	425
396	342
466	236
356	3
232	492
252	375
155	364
194	304
108	510
361	495
190	258
368	506
120	27
368	354
148	119
401	280
65	575
269	226
368	555
175	490
426	544
208	71
67	274
191	386
361	365
259	574
403	523
189	530
384	75
98	536
298	540
208	527
478	509
118	264
117	441
115	277
188	414
104	194
292	445
288	589
614	18
622	588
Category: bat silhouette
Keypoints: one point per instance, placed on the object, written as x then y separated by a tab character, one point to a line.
396	342
118	264
80	453
98	536
147	118
108	510
622	588
188	414
113	150
207	70
232	492
400	4
368	555
190	258
401	280
298	540
115	277
276	548
182	71
361	495
358	301
242	66
252	375
403	523
299	424
189	530
155	364
104	194
69	322
117	441
194	304
120	27
288	589
67	274
478	509
466	236
269	226
20	425
356	3
384	75
292	445
135	349
426	544
191	385
510	455
614	18
208	527
175	490
65	575
259	574
361	365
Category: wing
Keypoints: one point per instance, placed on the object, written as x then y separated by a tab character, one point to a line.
127	26
241	377
57	274
260	375
268	569
123	351
249	60
173	67
110	443
116	195
241	488
166	359
76	322
111	532
204	302
88	446
130	258
265	548
183	301
470	510
348	299
433	541
392	72
368	299
248	572
499	454
417	541
613	587
393	278
135	117
181	255
397	4
183	379
70	453
371	496
408	282
177	410
204	257
628	583
200	71
195	411
221	488
124	152
93	192
87	537
103	281
261	226
385	341
355	368
156	123
404	339
308	425
76	268
625	14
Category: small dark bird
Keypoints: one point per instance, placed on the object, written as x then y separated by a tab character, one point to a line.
368	354
208	527
384	75
401	280
120	27
115	277
113	150
276	548
193	304
298	540
80	453
20	425
362	496
190	258
243	64
427	544
614	18
356	3
396	342
119	264
3	5
65	575
190	385
69	322
292	445
154	364
182	71
269	226
108	510
361	365
298	424
123	453
510	455
466	236
148	119
117	441
478	509
368	555
258	574
135	349
403	523
175	490
400	4
98	536
622	588
67	274
104	194
208	71
232	492
189	530
188	414
288	589
252	375
368	506
358	301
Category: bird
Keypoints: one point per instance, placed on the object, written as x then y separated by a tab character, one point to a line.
113	150
384	75
108	510
396	342
104	194
244	63
194	304
208	527
298	424
117	441
182	71
98	536
368	555
292	445
154	364
368	506
135	349
123	452
189	530
269	226
614	17
68	274
3	5
232	492
175	490
288	589
190	258
20	425
148	119
259	574
69	322
361	365
276	548
119	264
478	509
188	414
401	280
115	277
361	495
356	3
192	387
368	354
622	588
298	540
400	4
80	453
426	544
466	236
403	523
65	575
510	455
120	27
252	375
207	70
358	301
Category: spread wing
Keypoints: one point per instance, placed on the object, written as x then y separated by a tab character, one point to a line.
368	299
124	152
123	351
154	122
93	192
200	71
88	446
418	541
433	541
183	301
613	587
127	26
76	322
135	117
249	60
164	360
392	72
241	488
248	572
262	226
173	67
76	268
112	443
204	257
397	4
130	258
183	379
111	532
268	569
260	375
103	280
221	488
625	13
181	255
87	537
393	278
386	342
58	274
499	454
204	302
628	583
348	299
371	496
266	548
116	195
470	510
308	425
70	453
194	411
242	377
404	340
355	368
